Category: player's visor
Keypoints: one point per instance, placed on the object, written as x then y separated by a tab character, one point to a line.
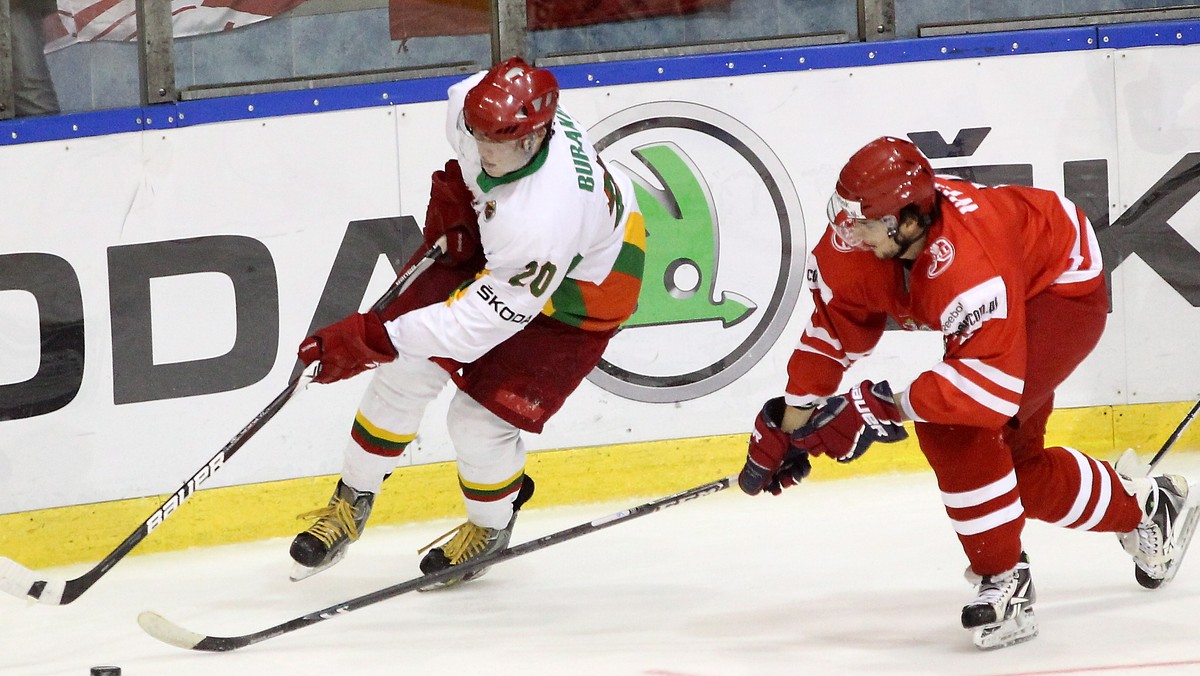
847	219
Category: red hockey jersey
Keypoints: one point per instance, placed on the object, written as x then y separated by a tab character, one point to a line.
992	249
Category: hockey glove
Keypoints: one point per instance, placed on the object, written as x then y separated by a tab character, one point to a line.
347	348
795	468
848	424
451	213
771	464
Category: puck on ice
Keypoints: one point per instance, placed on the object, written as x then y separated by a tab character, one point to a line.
106	671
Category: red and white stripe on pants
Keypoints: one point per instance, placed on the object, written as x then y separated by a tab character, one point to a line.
993	479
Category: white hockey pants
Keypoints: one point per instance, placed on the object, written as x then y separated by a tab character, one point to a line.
489	452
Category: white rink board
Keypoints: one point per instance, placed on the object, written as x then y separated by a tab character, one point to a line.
293	183
1158	123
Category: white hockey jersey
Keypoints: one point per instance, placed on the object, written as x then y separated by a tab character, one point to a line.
562	236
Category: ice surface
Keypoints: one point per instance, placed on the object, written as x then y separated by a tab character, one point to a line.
855	576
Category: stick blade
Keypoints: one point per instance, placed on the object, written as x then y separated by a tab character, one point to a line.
167	631
21	581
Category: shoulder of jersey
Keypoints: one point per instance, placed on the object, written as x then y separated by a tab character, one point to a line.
841	265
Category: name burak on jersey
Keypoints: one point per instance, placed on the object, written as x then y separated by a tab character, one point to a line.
583	164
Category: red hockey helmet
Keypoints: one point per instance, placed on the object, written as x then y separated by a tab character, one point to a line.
512	100
885	176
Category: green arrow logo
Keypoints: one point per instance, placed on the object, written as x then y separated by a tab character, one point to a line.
681	246
714	239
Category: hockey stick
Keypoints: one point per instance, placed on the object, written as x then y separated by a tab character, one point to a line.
18	580
168	632
1179	430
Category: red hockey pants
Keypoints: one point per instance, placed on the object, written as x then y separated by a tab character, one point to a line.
992	479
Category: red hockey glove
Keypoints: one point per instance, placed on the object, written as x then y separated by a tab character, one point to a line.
451	213
793	470
848	424
771	463
347	348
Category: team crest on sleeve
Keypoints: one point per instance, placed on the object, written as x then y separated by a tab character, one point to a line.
942	254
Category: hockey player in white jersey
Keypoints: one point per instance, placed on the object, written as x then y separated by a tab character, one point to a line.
545	261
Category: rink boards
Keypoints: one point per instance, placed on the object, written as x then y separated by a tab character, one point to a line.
158	278
86	533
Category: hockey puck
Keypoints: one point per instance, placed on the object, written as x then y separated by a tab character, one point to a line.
106	671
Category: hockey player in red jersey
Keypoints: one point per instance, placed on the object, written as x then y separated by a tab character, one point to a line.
1012	278
544	262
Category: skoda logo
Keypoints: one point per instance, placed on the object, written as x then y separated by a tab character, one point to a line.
724	251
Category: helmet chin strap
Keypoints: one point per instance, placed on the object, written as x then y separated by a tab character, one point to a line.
906	246
902	244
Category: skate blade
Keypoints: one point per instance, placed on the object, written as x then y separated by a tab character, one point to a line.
1190	520
1018	629
440	586
455	581
300	572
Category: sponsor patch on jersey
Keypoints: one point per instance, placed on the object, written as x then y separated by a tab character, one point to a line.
966	313
500	307
942	254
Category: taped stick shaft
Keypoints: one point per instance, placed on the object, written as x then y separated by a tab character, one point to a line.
1179	430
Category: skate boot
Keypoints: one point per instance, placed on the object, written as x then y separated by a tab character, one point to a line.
337	525
469	543
1169	518
1002	612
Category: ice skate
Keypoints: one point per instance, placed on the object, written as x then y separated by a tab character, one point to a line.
469	542
337	525
1002	612
1169	518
